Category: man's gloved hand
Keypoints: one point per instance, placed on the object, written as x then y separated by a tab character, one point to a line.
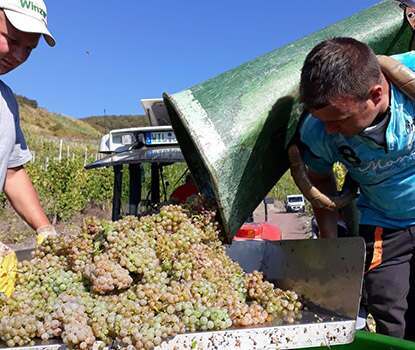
44	232
8	269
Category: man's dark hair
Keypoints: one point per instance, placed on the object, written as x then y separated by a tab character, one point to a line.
338	67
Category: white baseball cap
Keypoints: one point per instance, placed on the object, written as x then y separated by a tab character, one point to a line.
28	16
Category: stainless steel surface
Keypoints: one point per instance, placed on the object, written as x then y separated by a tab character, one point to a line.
262	338
283	337
24	253
156	111
326	272
49	345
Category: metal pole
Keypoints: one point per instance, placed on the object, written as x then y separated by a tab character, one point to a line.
163	183
135	188
250	218
266	210
155	184
116	196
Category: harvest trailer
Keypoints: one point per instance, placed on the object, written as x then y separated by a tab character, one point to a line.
331	284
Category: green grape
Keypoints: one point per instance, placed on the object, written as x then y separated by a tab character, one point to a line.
137	282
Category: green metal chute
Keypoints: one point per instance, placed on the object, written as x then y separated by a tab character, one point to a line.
233	129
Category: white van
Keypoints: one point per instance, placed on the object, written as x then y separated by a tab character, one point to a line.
295	203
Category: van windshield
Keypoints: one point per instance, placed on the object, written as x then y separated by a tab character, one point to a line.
295	199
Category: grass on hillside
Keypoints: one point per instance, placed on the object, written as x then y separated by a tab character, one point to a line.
40	121
106	123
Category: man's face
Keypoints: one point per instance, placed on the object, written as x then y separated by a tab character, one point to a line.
15	46
346	115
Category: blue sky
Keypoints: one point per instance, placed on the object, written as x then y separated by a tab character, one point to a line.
112	53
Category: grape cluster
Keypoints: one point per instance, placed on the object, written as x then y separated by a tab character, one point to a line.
70	314
18	330
106	275
131	244
282	304
137	282
199	317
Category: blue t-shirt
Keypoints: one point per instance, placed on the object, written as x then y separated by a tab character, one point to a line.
386	174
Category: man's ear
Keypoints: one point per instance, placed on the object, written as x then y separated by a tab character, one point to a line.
375	94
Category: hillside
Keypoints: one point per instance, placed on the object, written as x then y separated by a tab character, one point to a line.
109	122
39	121
36	120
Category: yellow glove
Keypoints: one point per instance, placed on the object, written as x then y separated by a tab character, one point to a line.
44	232
8	269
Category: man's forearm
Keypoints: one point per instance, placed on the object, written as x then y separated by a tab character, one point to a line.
327	223
326	219
23	197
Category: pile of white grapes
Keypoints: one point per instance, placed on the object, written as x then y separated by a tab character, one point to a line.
135	283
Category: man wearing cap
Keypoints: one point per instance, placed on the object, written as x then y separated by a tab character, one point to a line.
22	22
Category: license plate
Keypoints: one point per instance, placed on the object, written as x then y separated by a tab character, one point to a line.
160	137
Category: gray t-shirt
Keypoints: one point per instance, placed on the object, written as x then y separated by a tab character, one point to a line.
13	149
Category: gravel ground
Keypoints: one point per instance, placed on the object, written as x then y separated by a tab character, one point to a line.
13	230
292	225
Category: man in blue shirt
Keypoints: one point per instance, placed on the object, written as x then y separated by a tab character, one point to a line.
359	118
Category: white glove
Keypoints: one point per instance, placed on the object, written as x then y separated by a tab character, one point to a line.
4	250
44	232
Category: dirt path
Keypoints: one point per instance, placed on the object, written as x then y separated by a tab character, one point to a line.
293	225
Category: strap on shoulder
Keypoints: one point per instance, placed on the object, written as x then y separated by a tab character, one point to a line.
399	74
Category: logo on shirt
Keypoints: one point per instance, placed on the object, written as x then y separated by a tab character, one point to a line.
349	155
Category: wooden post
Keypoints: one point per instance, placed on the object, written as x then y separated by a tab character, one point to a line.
60	150
86	155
